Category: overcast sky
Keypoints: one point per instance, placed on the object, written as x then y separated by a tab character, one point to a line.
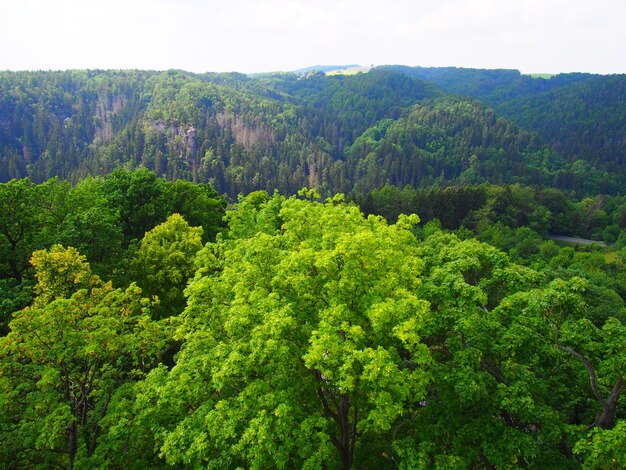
266	35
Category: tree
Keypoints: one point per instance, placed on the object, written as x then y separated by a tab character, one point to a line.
164	263
64	358
60	272
137	196
520	367
92	225
25	223
490	400
198	203
301	344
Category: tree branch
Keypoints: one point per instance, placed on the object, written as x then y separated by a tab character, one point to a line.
320	393
590	369
494	372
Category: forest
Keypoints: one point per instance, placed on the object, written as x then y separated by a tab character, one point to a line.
308	271
336	133
147	324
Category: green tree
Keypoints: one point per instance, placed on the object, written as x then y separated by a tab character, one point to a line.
198	203
60	272
514	360
25	223
137	196
92	225
164	263
64	358
301	344
486	407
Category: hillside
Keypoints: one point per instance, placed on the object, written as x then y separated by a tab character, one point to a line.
285	131
276	131
493	86
582	116
450	139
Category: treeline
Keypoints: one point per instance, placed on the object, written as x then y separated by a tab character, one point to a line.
286	131
298	334
547	211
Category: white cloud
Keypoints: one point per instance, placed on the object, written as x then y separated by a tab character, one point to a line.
248	35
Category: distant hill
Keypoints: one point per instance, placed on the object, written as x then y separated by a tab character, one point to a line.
391	125
493	86
278	131
325	68
582	116
450	139
585	120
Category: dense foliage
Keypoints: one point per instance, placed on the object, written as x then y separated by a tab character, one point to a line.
580	115
105	219
486	207
145	322
241	134
285	131
309	335
451	139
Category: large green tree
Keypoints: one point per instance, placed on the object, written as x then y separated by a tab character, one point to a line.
92	225
301	343
27	220
521	371
138	198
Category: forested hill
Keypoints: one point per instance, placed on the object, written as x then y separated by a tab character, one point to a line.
583	116
285	130
454	139
275	131
493	86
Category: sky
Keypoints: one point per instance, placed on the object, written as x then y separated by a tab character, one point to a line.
534	36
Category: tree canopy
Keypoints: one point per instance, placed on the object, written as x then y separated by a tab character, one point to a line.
303	332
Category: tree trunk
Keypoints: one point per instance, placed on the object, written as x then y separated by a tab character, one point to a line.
73	445
15	271
345	433
606	419
72	429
